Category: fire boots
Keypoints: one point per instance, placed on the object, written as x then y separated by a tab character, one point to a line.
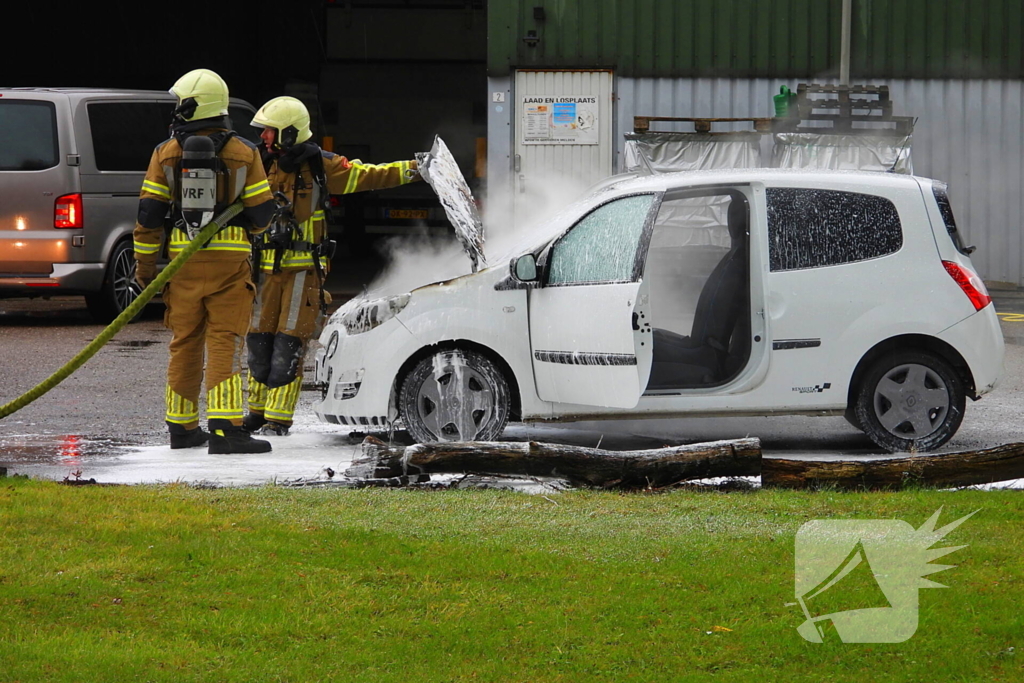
236	440
274	429
252	422
190	438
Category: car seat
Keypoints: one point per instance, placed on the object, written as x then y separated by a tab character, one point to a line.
709	354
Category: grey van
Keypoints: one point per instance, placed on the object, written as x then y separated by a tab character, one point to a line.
71	165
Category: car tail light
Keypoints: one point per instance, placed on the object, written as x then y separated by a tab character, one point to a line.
67	211
969	281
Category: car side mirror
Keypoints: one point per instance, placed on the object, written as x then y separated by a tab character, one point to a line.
524	268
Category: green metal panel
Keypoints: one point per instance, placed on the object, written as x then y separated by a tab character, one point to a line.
760	38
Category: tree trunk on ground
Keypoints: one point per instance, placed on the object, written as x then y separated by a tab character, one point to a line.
581	466
943	469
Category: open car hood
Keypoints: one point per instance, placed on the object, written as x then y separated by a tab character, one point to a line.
440	171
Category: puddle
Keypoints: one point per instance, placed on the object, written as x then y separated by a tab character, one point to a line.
306	453
70	450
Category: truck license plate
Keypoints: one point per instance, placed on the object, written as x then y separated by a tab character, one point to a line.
408	213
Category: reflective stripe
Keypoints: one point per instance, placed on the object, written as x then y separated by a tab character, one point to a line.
169	176
146	247
231	238
281	401
353	178
180	410
403	168
156	188
295	305
296	260
257	395
252	190
239	185
224	401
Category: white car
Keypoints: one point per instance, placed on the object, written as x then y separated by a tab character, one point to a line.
748	292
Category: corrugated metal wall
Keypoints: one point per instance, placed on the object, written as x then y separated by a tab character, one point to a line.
969	134
760	38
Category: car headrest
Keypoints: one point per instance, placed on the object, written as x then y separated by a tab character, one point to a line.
738	221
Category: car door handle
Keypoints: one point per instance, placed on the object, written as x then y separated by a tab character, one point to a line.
636	321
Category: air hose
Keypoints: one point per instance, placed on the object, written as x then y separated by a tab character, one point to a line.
126	315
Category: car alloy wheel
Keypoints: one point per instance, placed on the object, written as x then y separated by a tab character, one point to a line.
122	274
910	401
455	395
119	287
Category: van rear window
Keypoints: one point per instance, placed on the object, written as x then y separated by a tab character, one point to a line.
28	135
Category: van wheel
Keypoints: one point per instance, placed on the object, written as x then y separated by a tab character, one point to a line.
119	287
910	401
455	396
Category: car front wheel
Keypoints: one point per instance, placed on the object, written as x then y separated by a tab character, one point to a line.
910	401
455	395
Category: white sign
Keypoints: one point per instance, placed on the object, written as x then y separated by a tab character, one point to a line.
560	120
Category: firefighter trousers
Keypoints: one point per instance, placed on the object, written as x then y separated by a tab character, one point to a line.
287	314
208	307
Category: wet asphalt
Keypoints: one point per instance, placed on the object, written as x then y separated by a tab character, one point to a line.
105	421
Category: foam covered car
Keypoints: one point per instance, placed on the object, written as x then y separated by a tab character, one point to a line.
752	292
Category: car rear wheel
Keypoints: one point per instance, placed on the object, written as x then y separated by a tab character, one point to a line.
910	401
119	287
455	395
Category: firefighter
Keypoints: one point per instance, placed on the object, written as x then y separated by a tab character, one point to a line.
295	255
210	299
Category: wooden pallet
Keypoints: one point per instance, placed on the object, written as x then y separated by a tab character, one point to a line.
642	124
838	107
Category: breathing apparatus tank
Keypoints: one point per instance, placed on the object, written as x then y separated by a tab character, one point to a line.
198	183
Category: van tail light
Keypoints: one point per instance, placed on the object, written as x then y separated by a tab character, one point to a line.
969	281
67	211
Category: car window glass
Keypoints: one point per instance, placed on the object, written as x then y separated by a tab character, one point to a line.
240	121
28	135
942	199
602	246
125	133
811	228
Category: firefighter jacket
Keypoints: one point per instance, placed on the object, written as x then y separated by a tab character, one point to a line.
245	178
291	175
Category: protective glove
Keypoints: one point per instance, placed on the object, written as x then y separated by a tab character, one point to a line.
413	174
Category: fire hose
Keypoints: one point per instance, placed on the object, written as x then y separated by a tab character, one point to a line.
126	315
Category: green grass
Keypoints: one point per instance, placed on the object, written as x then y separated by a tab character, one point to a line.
178	584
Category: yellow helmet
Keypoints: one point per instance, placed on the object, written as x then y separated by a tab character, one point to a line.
202	94
289	116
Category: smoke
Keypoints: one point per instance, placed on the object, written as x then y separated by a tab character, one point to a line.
518	221
415	261
411	262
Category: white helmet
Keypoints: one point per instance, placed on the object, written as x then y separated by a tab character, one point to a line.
202	94
289	116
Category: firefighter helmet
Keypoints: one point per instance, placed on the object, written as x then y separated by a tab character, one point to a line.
202	94
289	116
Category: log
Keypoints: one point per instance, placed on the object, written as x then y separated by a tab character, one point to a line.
581	466
964	468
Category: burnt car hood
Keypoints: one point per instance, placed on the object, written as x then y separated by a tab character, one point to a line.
439	169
